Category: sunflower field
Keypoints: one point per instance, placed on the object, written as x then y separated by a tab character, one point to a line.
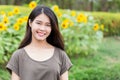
82	33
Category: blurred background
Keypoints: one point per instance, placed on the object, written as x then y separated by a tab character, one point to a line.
91	31
86	5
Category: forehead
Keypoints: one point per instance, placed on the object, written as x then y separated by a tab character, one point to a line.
42	17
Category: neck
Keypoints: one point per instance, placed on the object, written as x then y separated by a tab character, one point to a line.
40	44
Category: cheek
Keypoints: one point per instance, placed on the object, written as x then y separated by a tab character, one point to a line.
33	30
49	30
34	27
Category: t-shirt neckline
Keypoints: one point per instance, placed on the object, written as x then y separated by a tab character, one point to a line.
38	60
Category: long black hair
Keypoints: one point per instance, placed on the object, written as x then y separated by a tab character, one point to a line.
55	37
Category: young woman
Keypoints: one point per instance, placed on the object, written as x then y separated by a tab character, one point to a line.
41	54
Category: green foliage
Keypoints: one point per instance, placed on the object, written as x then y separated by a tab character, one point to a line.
96	73
111	22
4	75
11	31
81	32
104	65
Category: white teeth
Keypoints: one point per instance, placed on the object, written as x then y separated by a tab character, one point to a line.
41	33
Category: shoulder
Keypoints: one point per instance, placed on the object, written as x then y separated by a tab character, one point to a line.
17	52
61	53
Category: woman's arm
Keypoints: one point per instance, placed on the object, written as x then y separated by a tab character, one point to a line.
64	76
14	76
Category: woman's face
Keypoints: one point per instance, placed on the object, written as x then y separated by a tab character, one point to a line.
41	27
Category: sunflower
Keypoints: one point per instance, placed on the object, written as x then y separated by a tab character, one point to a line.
82	18
55	8
32	4
16	27
16	10
25	18
59	14
2	13
2	27
19	21
64	25
96	27
5	20
73	13
10	13
79	19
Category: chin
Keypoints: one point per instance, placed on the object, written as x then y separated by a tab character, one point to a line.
41	39
37	38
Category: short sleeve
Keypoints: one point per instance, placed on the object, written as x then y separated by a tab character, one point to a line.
66	63
13	63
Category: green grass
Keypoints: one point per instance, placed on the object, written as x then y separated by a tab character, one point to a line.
108	53
4	75
103	65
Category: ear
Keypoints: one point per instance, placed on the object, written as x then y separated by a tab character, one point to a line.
30	23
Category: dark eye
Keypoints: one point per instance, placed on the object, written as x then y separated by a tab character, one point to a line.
38	23
48	25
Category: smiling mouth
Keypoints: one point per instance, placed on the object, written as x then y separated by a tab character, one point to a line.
41	33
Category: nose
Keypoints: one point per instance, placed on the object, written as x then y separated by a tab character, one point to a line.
42	27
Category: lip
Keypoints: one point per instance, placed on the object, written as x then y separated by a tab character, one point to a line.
41	33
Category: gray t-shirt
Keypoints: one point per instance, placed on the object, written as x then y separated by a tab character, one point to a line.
28	69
